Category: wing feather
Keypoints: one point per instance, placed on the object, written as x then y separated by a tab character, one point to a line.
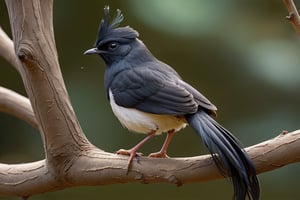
154	92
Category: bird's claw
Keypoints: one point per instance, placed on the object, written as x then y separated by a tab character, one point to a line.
158	155
129	152
132	154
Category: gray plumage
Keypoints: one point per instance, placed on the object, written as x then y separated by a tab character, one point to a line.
138	84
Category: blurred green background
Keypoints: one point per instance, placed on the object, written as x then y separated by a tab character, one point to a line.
243	55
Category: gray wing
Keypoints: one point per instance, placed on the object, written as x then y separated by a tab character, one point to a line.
156	92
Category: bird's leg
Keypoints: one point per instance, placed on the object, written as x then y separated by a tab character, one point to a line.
163	152
133	151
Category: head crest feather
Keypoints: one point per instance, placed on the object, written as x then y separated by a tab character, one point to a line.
109	30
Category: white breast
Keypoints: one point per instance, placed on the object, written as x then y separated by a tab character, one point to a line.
143	122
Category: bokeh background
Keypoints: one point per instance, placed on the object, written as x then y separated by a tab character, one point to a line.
243	55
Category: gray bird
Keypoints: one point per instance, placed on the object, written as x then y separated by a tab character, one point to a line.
148	96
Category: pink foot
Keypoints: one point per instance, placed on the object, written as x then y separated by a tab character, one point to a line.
159	155
128	152
131	153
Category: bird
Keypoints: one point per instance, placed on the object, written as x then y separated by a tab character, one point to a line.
148	96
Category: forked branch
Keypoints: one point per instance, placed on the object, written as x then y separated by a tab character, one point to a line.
95	167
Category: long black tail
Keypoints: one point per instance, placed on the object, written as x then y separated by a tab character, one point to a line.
227	154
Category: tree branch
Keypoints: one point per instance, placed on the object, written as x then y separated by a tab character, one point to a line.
7	50
96	167
293	16
32	30
11	102
16	105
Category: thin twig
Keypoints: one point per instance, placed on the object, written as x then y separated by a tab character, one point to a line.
293	16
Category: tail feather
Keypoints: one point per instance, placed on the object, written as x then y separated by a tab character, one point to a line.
228	155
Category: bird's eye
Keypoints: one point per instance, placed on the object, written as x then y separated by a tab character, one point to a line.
112	45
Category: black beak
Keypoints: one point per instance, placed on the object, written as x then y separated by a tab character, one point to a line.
92	51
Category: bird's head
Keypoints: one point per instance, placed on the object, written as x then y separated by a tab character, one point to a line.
113	43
